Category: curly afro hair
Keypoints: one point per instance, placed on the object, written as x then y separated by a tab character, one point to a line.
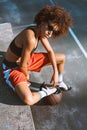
57	15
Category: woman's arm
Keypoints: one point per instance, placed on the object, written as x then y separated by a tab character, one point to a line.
51	54
27	48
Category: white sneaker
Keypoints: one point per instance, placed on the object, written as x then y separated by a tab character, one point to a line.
49	90
63	86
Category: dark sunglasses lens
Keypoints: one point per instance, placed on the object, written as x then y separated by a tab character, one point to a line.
50	28
56	33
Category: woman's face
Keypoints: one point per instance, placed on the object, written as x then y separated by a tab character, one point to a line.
47	29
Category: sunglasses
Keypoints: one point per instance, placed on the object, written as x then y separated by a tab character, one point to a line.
50	28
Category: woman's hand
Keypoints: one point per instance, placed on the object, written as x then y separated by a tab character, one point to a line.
54	79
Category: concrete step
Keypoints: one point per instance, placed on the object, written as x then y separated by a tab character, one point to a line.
13	113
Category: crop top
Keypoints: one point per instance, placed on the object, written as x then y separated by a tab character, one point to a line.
17	50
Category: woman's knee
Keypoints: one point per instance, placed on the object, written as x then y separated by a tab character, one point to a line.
60	57
63	57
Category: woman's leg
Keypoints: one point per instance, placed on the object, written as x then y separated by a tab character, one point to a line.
60	60
23	91
39	60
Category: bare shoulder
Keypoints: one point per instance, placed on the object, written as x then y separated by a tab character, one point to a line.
29	35
26	37
30	39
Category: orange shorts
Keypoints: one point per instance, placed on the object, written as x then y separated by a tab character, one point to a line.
36	62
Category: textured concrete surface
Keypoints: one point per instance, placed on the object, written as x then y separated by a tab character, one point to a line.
6	35
15	117
71	113
13	113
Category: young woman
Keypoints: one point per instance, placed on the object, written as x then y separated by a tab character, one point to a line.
51	21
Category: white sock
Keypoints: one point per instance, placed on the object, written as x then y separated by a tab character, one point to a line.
61	84
60	77
42	94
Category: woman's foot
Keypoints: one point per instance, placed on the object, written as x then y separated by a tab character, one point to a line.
63	86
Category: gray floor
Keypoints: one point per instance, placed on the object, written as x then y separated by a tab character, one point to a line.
71	113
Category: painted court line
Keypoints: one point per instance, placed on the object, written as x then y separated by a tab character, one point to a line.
74	37
78	42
